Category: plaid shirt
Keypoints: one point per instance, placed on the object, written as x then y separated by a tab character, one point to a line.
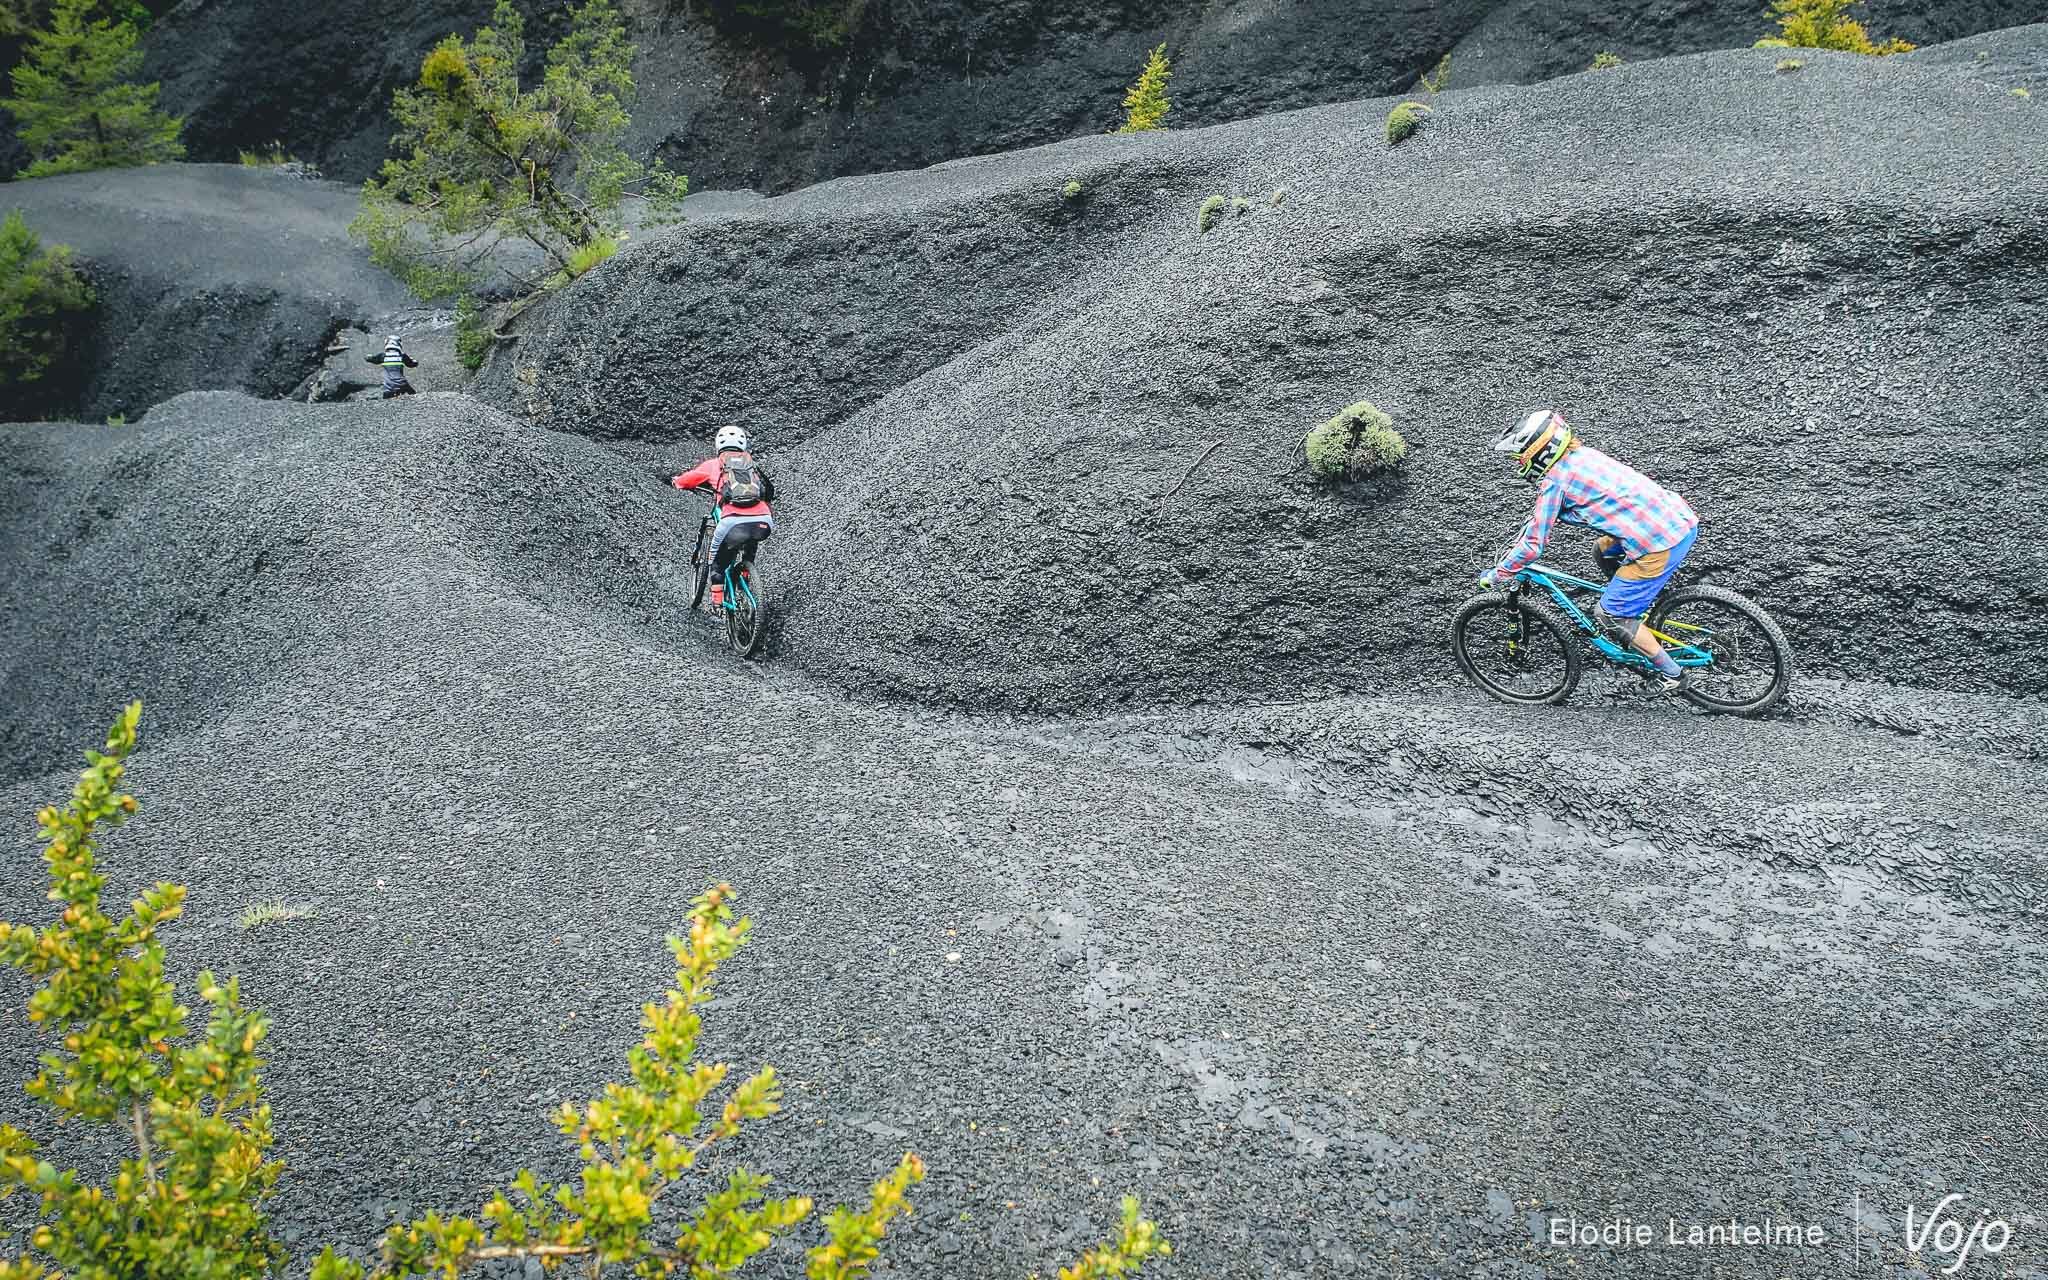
1588	487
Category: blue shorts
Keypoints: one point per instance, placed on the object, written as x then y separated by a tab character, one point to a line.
1631	597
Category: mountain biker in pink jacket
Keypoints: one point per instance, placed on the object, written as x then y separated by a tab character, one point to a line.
1649	529
743	489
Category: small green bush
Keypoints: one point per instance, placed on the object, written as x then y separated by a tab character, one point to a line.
39	292
598	250
1072	191
1605	61
1825	24
2021	93
189	1201
1205	217
1403	121
472	333
1789	64
1436	81
1278	197
1146	100
1358	442
265	157
1239	206
262	913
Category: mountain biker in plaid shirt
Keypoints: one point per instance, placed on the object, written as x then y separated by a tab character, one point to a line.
1648	529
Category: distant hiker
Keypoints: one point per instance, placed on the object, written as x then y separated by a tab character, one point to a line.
743	490
395	363
1648	529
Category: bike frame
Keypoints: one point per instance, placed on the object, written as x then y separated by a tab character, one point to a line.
1563	586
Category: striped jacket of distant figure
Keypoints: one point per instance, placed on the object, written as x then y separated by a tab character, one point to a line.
395	363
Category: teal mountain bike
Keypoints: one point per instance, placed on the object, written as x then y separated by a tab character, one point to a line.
1518	644
745	606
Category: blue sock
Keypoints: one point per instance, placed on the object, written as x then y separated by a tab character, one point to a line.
1667	666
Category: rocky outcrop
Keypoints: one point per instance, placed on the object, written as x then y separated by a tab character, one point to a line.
1076	424
922	83
208	276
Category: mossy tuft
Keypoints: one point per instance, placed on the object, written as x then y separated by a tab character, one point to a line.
1358	442
1403	121
1205	218
1605	61
1072	191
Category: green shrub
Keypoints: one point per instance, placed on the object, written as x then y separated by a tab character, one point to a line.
1403	120
39	293
2021	93
74	102
1789	64
1278	197
1436	81
1605	61
1824	24
1205	217
1239	206
190	1201
262	913
266	156
1358	442
484	160
1072	191
472	333
1146	99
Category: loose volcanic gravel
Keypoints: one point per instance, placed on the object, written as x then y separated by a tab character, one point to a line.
1812	301
208	276
1376	986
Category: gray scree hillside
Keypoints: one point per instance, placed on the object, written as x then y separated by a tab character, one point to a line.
925	82
1829	338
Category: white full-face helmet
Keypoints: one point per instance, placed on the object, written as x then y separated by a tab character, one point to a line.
1537	441
731	438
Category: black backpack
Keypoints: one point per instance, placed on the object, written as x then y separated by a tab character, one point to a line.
740	483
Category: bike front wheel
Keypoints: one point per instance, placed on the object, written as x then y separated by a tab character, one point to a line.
746	612
1518	650
1737	661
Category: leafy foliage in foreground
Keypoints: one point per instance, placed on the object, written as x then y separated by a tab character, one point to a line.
486	160
39	289
189	1205
74	100
189	1202
1825	24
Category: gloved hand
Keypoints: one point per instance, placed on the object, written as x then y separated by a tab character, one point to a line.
1486	579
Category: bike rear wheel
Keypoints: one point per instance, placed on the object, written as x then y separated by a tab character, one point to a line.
1518	650
746	612
1736	659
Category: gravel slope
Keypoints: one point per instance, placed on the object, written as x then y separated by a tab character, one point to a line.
209	276
1373	986
1077	423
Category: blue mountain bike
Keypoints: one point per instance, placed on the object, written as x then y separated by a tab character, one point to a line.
745	603
1518	644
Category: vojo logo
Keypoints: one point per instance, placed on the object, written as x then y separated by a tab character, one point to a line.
1940	1235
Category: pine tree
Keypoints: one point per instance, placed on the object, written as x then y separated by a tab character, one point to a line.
38	287
76	106
1147	98
487	160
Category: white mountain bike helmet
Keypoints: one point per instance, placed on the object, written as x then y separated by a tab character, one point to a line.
730	438
1537	441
